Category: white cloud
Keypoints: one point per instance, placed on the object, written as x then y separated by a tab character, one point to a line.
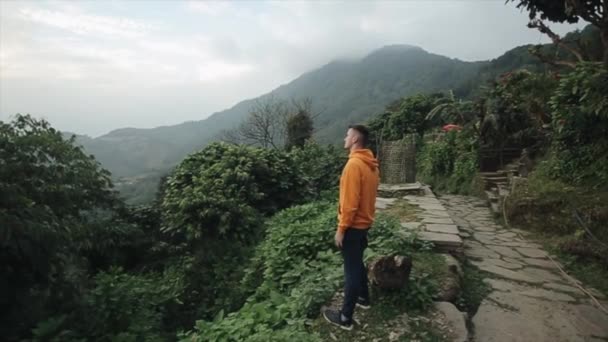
84	24
103	65
213	8
218	70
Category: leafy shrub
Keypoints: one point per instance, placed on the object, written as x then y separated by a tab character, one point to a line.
224	190
300	270
120	307
47	187
320	166
405	116
580	125
217	199
451	162
514	109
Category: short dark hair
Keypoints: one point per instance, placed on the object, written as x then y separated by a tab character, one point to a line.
363	131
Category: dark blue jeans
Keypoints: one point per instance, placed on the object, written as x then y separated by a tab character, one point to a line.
355	272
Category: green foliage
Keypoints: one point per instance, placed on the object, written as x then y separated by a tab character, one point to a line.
320	166
474	289
295	236
299	270
299	129
560	11
224	190
450	110
406	116
580	126
343	92
421	291
515	108
48	189
591	11
130	304
217	199
450	162
120	306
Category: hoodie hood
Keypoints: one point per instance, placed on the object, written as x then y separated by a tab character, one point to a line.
366	156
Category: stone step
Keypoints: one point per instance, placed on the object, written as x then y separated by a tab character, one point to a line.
491	185
492	196
400	190
496	208
499	173
495	178
443	242
503	191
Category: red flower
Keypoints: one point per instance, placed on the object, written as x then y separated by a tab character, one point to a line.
451	127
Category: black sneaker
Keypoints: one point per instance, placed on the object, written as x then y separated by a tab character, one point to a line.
335	317
363	303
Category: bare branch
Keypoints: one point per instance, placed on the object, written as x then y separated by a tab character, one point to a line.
231	136
557	40
551	61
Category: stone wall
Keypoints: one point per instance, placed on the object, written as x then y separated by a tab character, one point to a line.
398	161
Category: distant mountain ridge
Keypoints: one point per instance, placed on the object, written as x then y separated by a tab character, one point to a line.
344	91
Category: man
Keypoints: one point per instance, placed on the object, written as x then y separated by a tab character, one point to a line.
358	188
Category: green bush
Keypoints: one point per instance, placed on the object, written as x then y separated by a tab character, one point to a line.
225	190
295	270
580	126
514	109
450	163
216	202
119	307
320	166
299	271
405	116
48	188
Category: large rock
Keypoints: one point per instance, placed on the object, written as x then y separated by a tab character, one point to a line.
455	319
390	272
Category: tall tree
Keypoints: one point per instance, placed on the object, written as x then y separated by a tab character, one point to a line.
267	124
594	12
449	109
300	126
264	126
47	185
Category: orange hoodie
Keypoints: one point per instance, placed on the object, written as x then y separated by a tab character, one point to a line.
358	188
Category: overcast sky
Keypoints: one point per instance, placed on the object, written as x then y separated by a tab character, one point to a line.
90	67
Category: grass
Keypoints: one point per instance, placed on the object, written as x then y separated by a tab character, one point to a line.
403	210
546	209
389	319
474	289
397	315
429	263
590	271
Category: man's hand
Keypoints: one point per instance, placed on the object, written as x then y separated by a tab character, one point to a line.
339	238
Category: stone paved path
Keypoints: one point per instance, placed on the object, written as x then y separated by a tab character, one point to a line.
530	300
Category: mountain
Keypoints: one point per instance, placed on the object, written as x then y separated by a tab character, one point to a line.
342	91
